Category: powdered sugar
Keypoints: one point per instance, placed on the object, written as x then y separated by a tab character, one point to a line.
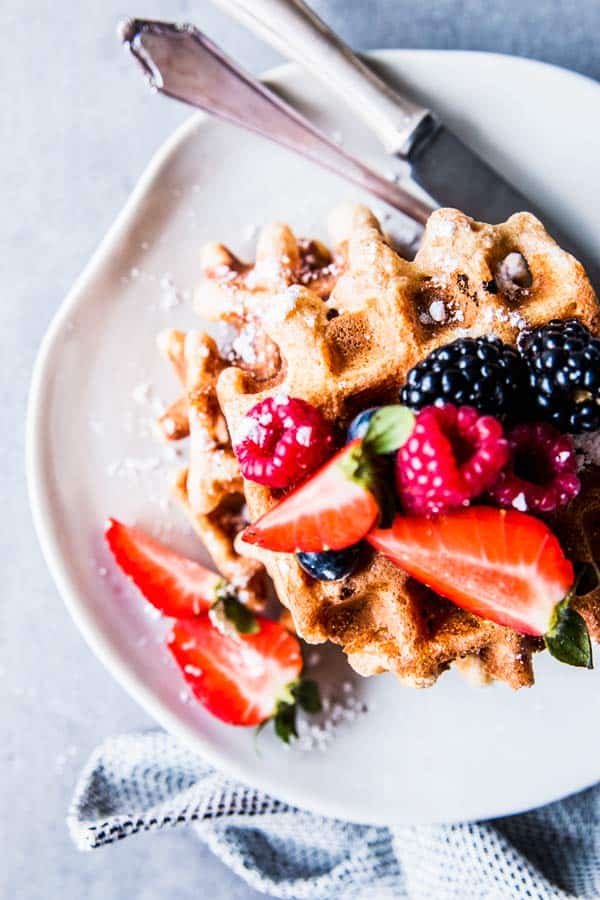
283	305
142	393
202	438
130	466
339	710
243	431
170	294
303	435
194	671
438	311
243	345
440	227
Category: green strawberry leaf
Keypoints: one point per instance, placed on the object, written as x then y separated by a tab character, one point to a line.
373	473
303	693
358	466
389	429
306	693
235	612
568	639
285	721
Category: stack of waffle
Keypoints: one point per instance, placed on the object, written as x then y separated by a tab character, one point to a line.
341	331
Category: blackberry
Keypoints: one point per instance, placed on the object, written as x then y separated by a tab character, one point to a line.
481	372
563	362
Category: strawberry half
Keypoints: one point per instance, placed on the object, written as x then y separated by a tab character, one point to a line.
333	509
177	586
499	564
241	679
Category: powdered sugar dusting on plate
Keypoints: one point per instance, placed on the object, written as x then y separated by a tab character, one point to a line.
339	710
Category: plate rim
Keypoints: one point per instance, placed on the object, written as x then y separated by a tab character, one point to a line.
40	501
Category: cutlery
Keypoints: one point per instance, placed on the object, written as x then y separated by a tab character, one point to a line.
438	161
183	63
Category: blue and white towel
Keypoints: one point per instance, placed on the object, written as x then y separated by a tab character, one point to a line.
146	781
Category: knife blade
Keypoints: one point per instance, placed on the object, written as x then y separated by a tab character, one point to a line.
438	161
181	62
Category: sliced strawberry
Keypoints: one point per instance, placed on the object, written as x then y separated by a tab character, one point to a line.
176	586
239	679
502	565
333	509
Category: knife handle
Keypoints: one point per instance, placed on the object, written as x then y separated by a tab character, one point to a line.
183	63
294	30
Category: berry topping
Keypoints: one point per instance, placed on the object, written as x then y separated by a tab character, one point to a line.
452	456
360	424
563	361
541	472
331	511
240	679
177	586
284	439
242	667
330	565
481	372
499	564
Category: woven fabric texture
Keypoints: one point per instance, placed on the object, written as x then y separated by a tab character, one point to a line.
148	780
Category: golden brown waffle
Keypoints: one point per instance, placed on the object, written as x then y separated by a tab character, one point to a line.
342	333
210	489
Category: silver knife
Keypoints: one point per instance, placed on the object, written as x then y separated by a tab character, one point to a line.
183	63
439	162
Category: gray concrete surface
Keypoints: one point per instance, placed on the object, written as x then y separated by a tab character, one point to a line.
76	129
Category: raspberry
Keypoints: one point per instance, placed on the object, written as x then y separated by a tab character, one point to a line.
453	455
541	472
283	439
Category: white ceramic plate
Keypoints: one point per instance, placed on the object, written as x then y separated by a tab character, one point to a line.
445	754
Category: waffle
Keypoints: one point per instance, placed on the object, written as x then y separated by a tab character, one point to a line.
342	332
210	489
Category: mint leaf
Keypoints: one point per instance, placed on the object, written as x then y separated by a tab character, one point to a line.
239	615
568	639
389	428
306	693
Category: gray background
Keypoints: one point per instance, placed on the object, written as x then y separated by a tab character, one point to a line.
76	130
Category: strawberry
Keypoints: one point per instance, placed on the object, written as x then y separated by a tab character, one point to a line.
242	667
337	506
499	564
178	587
332	510
244	679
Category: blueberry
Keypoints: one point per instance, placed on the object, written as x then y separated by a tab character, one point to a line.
330	565
360	424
